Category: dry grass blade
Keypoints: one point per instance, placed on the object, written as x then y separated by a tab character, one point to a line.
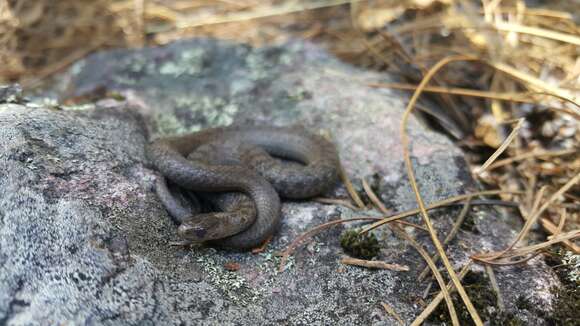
349	187
382	207
534	82
521	97
533	248
506	262
451	235
139	8
373	197
502	148
529	155
537	12
436	205
537	201
262	12
346	181
563	98
409	165
332	201
556	230
489	257
544	88
425	255
430	263
377	264
495	287
528	252
562	221
416	226
438	298
562	37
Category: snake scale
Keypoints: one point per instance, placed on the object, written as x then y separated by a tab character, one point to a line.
239	171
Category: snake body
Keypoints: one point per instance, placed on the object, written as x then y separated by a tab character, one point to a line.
229	160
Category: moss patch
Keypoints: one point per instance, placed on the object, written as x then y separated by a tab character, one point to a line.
364	246
484	300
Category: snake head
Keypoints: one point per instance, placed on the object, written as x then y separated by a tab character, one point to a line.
200	228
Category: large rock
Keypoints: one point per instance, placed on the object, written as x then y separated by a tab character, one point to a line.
84	239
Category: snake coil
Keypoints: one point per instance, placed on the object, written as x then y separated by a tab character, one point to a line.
239	171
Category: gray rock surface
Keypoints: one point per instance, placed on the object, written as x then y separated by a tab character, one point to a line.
84	240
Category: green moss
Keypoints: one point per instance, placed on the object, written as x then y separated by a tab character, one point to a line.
470	224
364	246
484	300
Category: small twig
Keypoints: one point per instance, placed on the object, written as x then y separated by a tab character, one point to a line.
427	290
502	148
450	236
416	226
393	313
262	247
537	200
562	221
332	201
373	264
522	97
495	287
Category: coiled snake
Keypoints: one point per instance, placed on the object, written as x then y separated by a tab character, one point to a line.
234	169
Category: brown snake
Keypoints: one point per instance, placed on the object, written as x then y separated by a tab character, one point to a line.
239	159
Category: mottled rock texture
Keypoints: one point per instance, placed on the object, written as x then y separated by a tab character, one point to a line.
84	240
